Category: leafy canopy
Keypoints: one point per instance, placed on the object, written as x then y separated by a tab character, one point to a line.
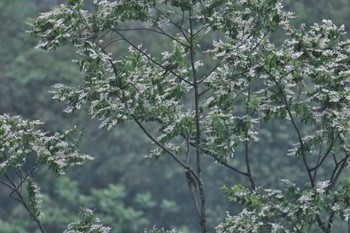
24	148
210	100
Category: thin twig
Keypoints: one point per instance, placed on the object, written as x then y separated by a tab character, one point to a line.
217	159
150	58
301	142
112	42
159	144
246	149
21	200
175	24
161	32
320	161
337	172
210	72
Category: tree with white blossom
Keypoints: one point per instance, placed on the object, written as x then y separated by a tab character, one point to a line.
210	100
24	149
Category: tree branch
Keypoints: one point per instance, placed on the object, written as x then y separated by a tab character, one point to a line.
320	162
217	159
150	58
159	144
246	149
337	172
161	32
175	24
301	142
203	220
21	200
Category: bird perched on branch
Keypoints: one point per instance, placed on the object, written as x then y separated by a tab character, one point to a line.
170	67
191	181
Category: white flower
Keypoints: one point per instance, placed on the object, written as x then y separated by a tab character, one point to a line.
321	186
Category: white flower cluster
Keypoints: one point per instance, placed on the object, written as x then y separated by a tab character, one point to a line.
268	209
21	138
88	224
216	101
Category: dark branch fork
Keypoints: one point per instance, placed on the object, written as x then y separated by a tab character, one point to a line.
16	194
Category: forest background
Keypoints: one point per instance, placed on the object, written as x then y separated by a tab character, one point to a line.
128	191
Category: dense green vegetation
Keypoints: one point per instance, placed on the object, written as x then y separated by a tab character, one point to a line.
128	191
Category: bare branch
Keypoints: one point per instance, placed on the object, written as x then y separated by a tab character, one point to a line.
320	162
221	161
112	42
337	172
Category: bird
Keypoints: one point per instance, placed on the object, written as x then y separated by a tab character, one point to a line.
170	67
192	183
